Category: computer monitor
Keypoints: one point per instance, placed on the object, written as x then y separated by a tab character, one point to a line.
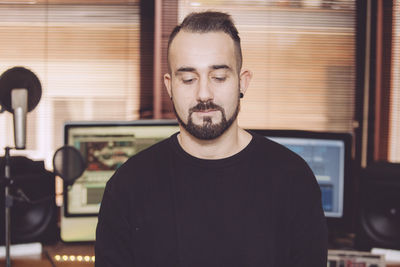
105	146
329	157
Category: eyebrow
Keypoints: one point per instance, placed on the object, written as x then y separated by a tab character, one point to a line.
218	67
213	67
185	69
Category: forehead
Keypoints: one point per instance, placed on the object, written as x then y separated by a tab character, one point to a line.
201	50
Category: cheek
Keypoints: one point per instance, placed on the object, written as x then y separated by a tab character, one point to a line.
231	107
228	97
181	104
182	97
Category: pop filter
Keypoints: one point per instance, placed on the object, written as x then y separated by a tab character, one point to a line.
19	77
68	163
20	92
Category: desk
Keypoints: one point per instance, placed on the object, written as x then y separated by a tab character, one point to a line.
63	249
60	249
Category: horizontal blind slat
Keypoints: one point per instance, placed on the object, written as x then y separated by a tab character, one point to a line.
302	54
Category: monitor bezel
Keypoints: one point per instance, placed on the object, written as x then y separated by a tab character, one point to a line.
335	224
91	124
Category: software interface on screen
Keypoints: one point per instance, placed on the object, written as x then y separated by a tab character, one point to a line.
326	158
105	148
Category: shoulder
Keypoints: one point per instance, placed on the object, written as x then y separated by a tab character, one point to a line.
141	167
272	151
148	155
283	163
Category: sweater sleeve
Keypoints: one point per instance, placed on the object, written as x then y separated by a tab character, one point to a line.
309	234
113	247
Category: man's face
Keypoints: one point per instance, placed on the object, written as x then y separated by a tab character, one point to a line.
204	82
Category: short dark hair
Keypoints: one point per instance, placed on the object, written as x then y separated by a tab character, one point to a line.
209	21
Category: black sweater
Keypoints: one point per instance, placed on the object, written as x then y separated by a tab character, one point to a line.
260	207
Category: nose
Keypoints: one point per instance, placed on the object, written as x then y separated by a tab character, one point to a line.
204	92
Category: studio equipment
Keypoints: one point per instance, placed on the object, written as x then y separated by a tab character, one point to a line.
20	92
27	185
379	208
34	214
68	163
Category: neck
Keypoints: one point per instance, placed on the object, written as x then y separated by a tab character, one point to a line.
232	141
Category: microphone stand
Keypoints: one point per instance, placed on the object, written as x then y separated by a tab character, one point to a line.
8	200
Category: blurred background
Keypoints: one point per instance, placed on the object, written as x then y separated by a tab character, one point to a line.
318	65
104	60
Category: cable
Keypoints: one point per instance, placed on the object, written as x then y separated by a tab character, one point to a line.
22	197
46	253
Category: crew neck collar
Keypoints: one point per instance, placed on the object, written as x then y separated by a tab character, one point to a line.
240	156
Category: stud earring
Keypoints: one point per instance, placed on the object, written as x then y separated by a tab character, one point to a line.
241	95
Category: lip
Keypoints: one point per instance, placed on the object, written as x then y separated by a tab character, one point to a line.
207	111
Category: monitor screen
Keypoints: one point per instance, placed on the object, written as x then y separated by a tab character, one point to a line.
104	146
326	160
328	155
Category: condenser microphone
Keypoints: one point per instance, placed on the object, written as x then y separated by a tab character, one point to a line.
19	103
20	92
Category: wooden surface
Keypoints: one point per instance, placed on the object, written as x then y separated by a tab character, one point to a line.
57	251
66	250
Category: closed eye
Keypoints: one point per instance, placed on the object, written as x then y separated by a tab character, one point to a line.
219	79
188	81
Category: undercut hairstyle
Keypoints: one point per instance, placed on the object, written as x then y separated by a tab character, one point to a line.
209	21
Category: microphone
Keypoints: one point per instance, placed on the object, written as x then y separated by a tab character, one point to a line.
20	92
19	99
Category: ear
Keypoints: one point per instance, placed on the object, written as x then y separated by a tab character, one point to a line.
167	83
245	77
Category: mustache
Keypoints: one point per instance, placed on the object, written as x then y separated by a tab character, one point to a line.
202	106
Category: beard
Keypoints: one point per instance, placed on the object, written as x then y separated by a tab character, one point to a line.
208	130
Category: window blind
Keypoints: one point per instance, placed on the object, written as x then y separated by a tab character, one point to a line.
394	120
302	54
86	55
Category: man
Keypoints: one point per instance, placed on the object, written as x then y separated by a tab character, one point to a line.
212	194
